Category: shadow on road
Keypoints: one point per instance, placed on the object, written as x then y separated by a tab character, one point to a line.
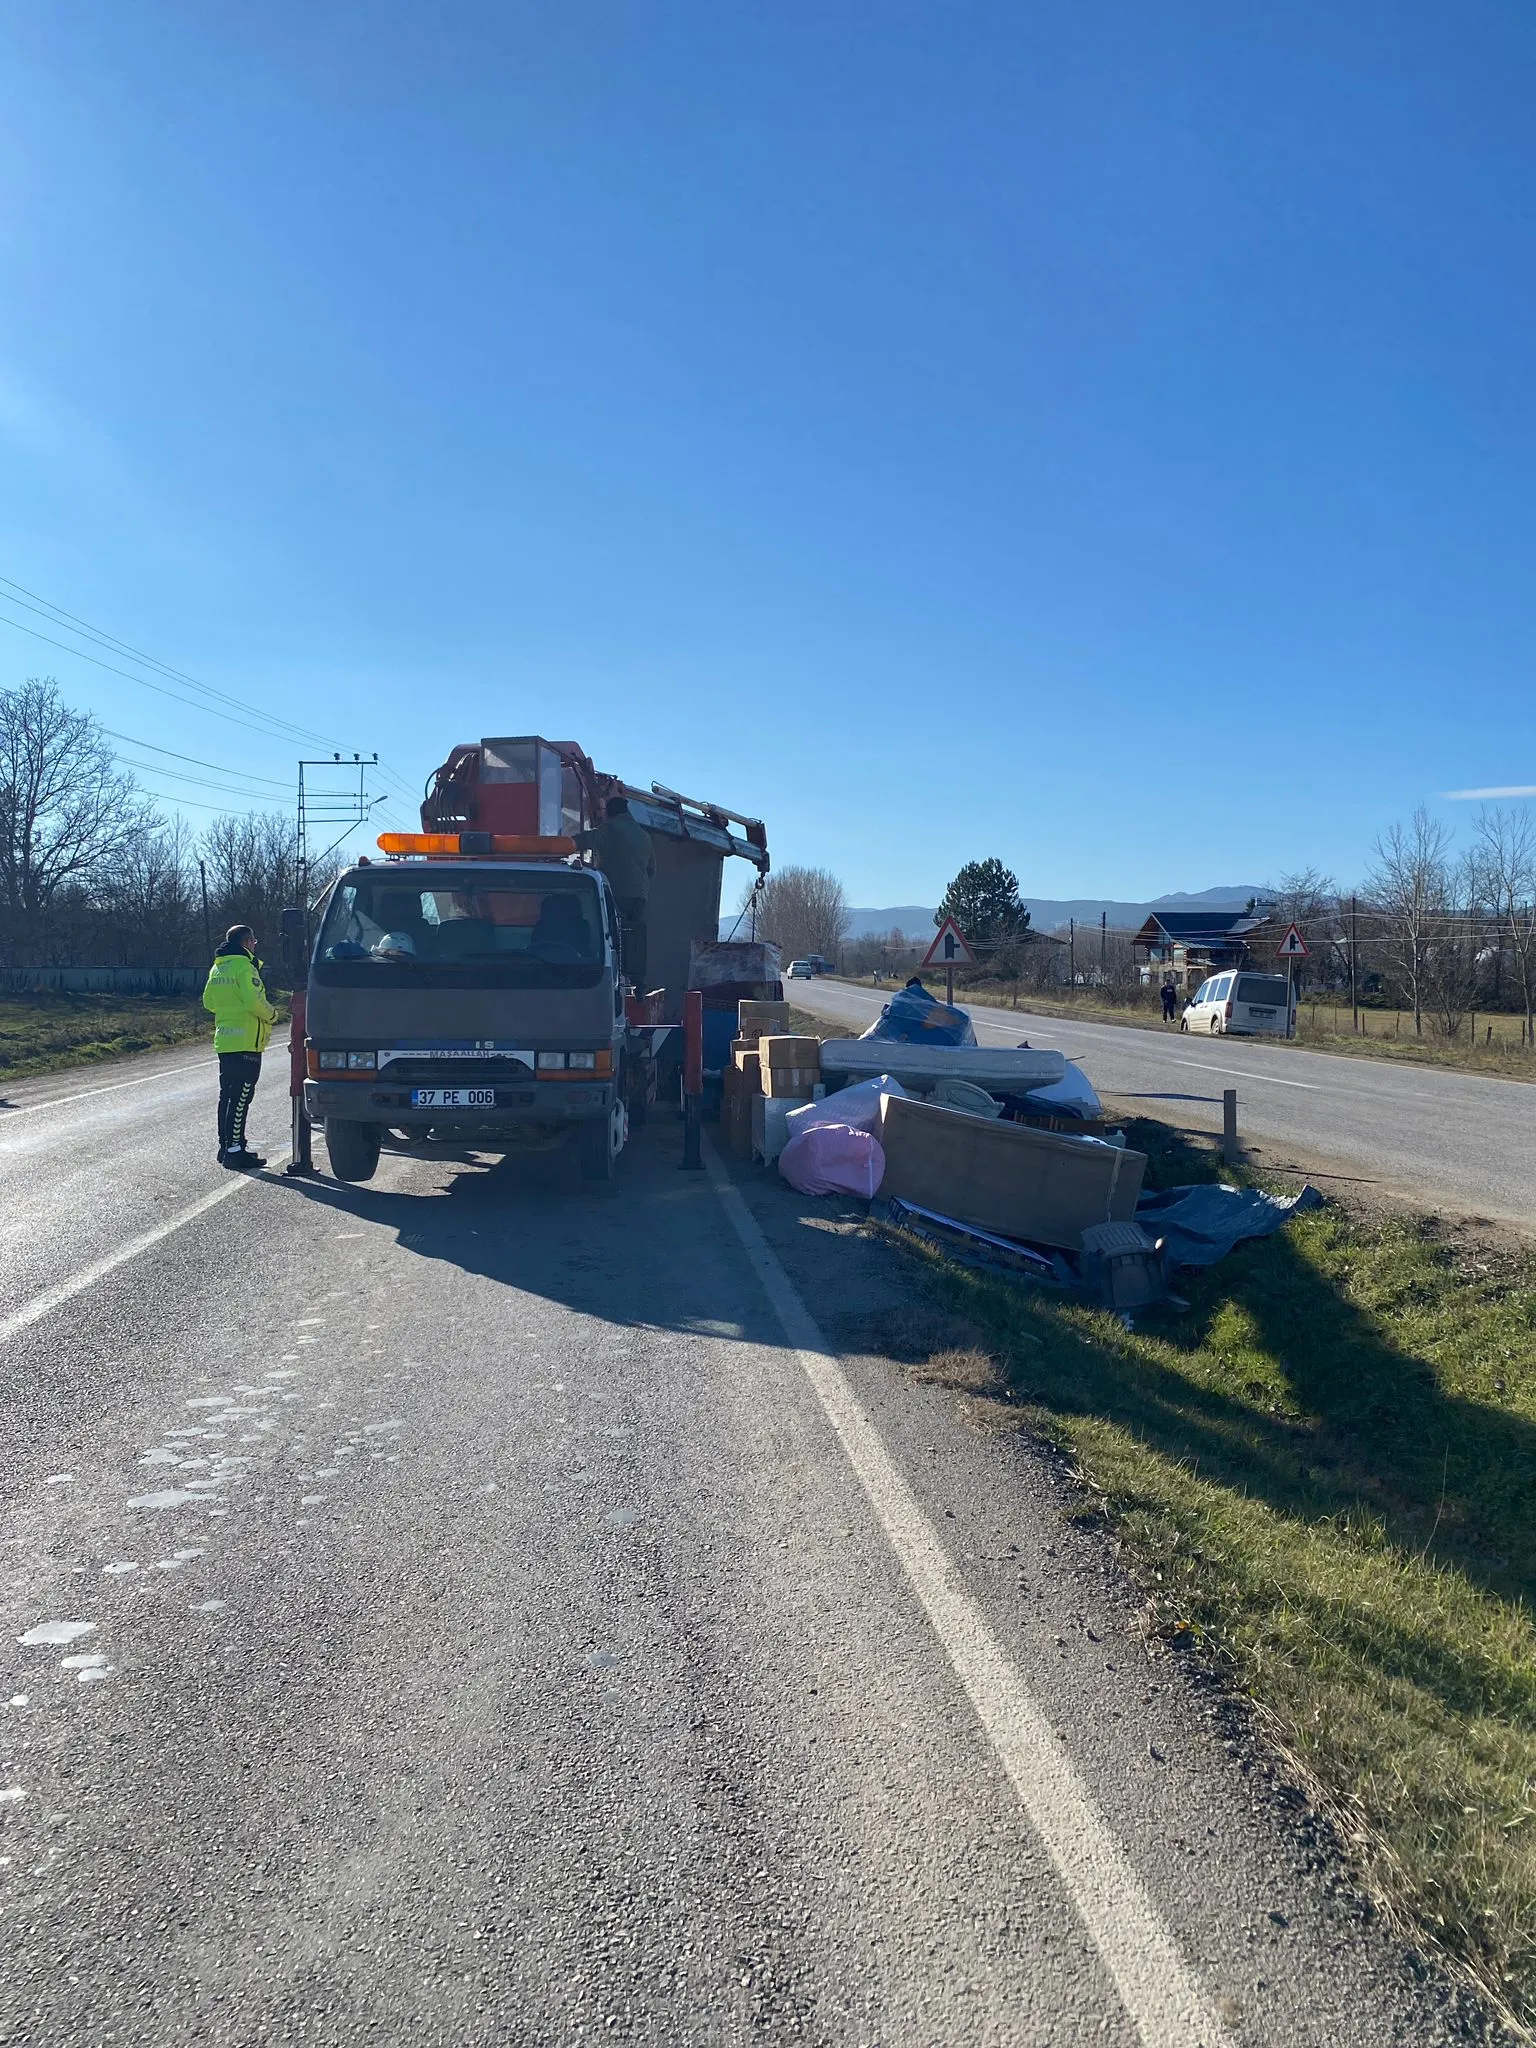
652	1249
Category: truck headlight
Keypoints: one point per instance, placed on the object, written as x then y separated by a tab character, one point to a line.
366	1060
587	1061
547	1060
332	1062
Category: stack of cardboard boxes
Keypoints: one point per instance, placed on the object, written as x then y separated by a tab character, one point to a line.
743	1077
768	1065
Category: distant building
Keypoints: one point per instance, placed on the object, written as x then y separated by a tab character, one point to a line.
1187	945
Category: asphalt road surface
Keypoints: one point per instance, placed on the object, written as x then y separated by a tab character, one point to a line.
478	1608
1464	1140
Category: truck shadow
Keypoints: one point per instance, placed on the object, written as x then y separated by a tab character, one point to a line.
650	1250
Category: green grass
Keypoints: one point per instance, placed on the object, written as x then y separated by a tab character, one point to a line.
1327	1469
43	1032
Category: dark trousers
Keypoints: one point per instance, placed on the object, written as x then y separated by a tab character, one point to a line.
632	934
238	1074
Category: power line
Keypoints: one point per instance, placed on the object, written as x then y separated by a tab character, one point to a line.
190	803
196	781
218	767
406	789
191	703
110	641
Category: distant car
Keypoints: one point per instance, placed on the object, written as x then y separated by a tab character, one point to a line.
1239	1005
801	970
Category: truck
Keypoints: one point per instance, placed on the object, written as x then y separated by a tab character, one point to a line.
466	988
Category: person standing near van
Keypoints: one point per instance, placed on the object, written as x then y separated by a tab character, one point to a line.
242	1019
1169	999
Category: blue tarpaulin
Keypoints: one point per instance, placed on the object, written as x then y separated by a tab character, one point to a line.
1200	1225
913	1017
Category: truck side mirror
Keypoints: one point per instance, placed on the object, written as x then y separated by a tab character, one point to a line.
291	931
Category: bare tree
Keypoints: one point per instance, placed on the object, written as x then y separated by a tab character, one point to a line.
253	873
66	810
1410	889
148	906
804	911
1505	851
1455	950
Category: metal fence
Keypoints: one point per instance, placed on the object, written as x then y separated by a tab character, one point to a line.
140	981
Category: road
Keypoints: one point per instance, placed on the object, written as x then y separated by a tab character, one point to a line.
1465	1140
480	1608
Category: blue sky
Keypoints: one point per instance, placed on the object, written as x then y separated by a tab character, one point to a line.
1089	433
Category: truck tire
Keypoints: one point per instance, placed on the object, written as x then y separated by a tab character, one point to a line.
596	1150
353	1148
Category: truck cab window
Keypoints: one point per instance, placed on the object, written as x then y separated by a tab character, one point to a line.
527	928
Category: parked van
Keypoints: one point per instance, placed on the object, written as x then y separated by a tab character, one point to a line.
1240	1003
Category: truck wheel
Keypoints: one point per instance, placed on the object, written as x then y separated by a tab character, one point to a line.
354	1148
596	1142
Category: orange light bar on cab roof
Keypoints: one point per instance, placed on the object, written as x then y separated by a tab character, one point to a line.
476	845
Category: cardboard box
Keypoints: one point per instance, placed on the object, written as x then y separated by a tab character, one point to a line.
799	1082
1023	1183
777	1051
749	1072
755	1019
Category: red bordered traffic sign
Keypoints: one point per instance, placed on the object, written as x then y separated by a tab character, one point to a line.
950	948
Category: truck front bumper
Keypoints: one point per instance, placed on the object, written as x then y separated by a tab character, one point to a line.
517	1105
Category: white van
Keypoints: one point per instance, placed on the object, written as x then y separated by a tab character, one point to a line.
1243	1003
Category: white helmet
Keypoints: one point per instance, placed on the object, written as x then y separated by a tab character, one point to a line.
396	942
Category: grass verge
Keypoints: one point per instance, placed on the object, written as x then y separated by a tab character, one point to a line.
1327	1469
42	1033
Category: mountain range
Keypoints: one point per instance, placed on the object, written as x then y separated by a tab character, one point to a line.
1047	912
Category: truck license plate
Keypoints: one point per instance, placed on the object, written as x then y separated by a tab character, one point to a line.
453	1098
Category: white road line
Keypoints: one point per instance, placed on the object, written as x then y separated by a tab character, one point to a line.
54	1297
110	1088
1161	1995
1244	1074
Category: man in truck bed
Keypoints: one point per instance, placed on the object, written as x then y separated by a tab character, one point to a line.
625	855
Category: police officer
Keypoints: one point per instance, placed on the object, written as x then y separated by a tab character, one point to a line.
625	855
242	1025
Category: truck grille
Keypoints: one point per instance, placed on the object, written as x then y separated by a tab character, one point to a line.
456	1073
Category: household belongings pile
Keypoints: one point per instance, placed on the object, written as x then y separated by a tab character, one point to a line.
996	1148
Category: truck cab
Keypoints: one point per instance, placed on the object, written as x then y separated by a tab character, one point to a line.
469	999
470	988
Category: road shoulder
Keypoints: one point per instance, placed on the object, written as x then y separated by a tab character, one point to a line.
1240	1861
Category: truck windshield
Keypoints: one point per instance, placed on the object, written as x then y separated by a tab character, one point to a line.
468	928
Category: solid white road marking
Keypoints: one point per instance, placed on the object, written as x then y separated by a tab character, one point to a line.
111	1088
65	1290
1244	1074
1161	1995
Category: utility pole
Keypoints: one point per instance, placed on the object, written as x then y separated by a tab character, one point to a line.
1072	952
1354	943
1103	940
202	876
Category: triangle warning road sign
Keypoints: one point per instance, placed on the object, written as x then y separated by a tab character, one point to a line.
1293	946
950	947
